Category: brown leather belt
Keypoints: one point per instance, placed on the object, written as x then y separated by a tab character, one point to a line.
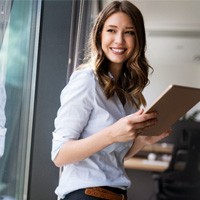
104	194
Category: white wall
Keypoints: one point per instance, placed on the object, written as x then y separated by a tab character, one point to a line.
173	63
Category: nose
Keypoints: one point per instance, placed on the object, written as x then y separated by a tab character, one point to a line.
119	38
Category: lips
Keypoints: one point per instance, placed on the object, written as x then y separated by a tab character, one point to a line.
118	50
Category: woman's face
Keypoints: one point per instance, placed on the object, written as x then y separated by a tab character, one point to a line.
118	38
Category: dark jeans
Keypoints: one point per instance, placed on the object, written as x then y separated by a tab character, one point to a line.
80	194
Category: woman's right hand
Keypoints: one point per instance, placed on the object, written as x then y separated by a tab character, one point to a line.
127	128
124	130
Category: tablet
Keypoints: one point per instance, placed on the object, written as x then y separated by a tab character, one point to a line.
171	105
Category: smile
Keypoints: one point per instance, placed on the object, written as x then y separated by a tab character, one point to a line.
116	50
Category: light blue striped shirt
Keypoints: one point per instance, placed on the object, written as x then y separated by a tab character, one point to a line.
84	111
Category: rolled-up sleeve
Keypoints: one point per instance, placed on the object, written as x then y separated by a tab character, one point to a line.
76	106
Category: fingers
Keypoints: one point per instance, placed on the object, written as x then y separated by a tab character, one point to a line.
139	131
156	138
140	127
140	116
167	132
129	127
140	121
139	112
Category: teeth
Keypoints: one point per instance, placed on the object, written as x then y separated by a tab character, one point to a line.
118	50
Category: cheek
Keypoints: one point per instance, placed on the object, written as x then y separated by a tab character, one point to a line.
104	44
132	45
105	39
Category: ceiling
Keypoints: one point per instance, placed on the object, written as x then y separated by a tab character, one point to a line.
170	14
173	30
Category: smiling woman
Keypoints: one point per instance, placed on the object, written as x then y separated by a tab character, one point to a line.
118	41
98	123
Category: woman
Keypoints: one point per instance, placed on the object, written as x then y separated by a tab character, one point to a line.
99	122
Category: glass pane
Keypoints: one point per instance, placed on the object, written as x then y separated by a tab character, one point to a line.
18	54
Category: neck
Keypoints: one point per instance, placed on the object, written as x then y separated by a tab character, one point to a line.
115	70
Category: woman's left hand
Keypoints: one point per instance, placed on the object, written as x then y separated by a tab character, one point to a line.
141	141
146	140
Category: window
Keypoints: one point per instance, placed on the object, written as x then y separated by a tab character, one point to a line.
19	29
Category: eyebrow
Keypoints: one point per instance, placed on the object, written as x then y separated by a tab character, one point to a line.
113	26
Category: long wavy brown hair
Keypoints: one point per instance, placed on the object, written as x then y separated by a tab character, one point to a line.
134	75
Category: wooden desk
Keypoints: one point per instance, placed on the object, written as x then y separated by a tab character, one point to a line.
141	163
146	165
159	148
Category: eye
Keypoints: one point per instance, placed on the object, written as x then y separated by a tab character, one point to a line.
111	30
130	33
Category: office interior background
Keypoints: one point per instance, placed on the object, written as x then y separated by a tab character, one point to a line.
41	43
